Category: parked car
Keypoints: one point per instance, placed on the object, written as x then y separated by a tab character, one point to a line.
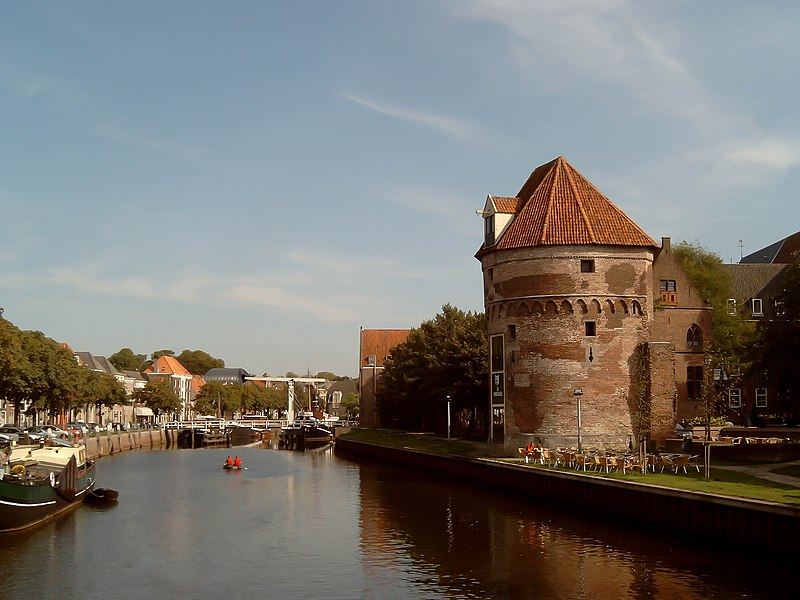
47	431
12	432
76	429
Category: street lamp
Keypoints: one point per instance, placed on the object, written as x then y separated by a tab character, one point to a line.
448	418
578	392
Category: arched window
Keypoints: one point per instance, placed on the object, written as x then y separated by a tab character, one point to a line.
694	338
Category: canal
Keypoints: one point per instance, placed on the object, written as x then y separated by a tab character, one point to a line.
313	525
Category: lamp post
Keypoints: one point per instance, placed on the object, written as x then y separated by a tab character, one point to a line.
448	418
578	392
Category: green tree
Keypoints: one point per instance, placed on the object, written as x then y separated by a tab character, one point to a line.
776	352
199	362
218	399
732	336
16	370
159	396
125	359
352	404
445	356
56	376
331	376
100	389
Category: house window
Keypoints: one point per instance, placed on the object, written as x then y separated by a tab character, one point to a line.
731	306
591	328
694	338
735	398
587	266
778	308
512	332
497	353
694	382
761	397
757	306
488	224
669	291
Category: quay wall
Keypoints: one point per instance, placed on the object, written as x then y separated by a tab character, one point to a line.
716	520
98	446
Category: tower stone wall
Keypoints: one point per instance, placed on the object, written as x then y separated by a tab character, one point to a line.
540	300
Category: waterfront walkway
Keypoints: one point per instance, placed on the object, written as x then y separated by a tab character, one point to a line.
765	471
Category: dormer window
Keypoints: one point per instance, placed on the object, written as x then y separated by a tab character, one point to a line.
757	307
488	230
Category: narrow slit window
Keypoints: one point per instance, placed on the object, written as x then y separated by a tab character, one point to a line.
591	328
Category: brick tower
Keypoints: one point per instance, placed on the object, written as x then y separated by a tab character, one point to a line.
568	292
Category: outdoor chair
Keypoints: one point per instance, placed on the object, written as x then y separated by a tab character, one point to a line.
603	463
680	461
666	461
583	460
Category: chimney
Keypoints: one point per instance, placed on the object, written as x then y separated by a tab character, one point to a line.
665	244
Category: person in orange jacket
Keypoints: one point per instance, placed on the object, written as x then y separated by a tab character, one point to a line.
237	462
229	461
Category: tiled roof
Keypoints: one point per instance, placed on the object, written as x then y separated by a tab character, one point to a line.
96	363
379	343
506	205
168	364
559	206
779	252
755	280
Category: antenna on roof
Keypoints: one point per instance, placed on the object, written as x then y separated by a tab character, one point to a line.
741	249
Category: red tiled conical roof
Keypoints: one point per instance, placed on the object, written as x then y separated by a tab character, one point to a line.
559	206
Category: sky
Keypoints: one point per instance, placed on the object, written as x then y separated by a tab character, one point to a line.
261	179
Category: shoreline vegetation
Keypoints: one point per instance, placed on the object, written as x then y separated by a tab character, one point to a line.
724	480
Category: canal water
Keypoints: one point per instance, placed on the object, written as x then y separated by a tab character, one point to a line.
311	525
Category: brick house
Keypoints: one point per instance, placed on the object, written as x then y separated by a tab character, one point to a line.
757	280
375	346
574	291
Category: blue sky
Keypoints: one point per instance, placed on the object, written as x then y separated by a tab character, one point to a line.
261	179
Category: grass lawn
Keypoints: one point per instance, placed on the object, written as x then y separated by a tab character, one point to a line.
724	482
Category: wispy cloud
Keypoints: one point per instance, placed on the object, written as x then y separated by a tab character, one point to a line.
310	285
456	211
771	152
450	125
605	45
150	142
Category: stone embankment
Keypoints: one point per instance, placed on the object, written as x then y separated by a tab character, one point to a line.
715	519
120	441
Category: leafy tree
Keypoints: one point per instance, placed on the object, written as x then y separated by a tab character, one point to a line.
16	370
732	336
126	360
777	349
218	399
56	376
100	389
332	376
159	396
352	404
445	356
198	362
276	400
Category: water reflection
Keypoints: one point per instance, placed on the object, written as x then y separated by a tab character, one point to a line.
313	525
470	543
